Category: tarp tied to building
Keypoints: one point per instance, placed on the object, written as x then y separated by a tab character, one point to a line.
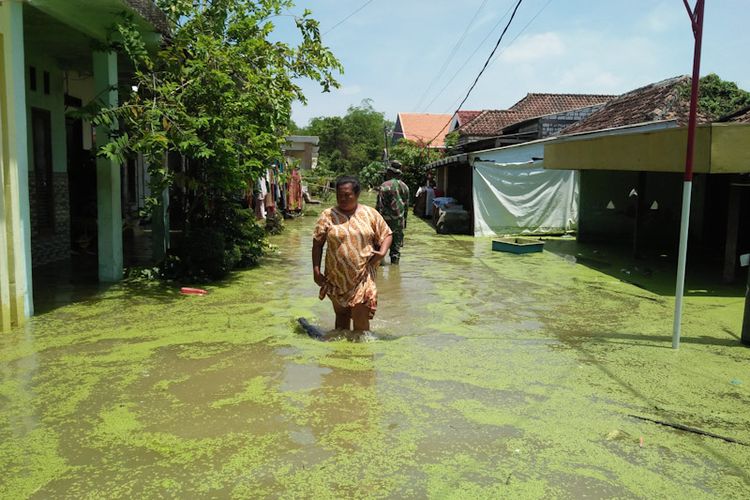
523	198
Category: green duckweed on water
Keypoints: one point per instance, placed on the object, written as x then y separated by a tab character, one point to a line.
497	376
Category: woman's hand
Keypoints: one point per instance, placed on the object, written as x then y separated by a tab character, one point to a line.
319	278
376	257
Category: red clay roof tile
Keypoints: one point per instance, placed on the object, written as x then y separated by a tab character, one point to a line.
538	104
660	101
424	127
491	122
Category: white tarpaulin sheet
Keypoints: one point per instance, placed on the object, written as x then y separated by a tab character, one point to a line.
523	198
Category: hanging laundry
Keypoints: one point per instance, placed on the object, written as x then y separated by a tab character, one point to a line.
294	191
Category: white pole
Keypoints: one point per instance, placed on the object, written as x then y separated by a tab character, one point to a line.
687	191
696	19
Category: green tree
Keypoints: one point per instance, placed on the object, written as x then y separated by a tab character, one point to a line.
718	97
349	143
451	140
219	93
372	174
413	158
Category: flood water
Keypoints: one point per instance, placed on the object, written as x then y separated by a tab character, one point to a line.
490	375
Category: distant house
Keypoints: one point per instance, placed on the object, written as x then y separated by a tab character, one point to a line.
303	149
631	156
53	184
462	118
422	128
557	109
662	102
488	124
498	176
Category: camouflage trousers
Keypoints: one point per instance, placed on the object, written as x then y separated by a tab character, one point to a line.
397	226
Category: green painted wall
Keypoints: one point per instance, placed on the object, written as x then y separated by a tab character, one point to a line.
660	229
54	103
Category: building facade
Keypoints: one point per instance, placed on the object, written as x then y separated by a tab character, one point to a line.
55	190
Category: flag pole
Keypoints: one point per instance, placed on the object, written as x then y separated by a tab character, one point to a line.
696	19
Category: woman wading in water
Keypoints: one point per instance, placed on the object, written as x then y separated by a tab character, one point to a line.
358	238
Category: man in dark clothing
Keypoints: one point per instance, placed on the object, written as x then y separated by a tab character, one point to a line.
393	203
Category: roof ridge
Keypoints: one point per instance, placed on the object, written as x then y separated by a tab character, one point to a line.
575	94
661	83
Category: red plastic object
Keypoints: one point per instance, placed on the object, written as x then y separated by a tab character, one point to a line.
192	291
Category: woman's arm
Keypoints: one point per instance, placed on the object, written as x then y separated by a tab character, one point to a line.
380	254
317	256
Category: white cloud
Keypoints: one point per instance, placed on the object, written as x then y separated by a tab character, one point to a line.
350	90
590	62
665	16
533	47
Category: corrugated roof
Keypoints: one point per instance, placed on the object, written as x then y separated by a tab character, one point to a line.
660	101
424	127
540	104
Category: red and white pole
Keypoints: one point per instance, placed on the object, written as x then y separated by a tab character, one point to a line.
696	19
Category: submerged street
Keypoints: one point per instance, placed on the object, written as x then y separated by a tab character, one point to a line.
491	375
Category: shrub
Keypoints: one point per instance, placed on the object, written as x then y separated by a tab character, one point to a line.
230	240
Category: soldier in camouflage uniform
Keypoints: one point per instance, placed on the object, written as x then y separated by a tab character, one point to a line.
393	203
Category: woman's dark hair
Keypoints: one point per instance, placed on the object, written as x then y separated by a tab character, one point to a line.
348	179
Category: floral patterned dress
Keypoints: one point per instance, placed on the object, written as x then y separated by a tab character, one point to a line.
351	241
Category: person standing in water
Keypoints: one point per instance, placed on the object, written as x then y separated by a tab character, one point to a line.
358	239
393	203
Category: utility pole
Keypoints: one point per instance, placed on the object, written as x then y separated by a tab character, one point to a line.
385	143
746	321
696	20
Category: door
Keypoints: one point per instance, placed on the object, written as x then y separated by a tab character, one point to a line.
41	128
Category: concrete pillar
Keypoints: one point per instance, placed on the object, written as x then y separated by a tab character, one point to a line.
108	197
15	224
746	319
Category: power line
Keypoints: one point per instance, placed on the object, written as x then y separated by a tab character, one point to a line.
492	54
486	63
511	43
452	54
522	30
489	34
368	2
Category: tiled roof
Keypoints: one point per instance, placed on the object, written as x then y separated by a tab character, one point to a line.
661	101
535	104
464	117
739	116
490	122
423	127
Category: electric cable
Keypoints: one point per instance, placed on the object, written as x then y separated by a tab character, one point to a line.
452	54
452	106
468	59
486	63
368	2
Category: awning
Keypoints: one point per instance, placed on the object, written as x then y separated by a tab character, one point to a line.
720	148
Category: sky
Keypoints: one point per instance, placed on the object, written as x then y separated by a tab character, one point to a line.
397	52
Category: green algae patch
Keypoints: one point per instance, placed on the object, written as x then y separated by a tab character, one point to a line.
502	377
478	412
256	391
29	461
